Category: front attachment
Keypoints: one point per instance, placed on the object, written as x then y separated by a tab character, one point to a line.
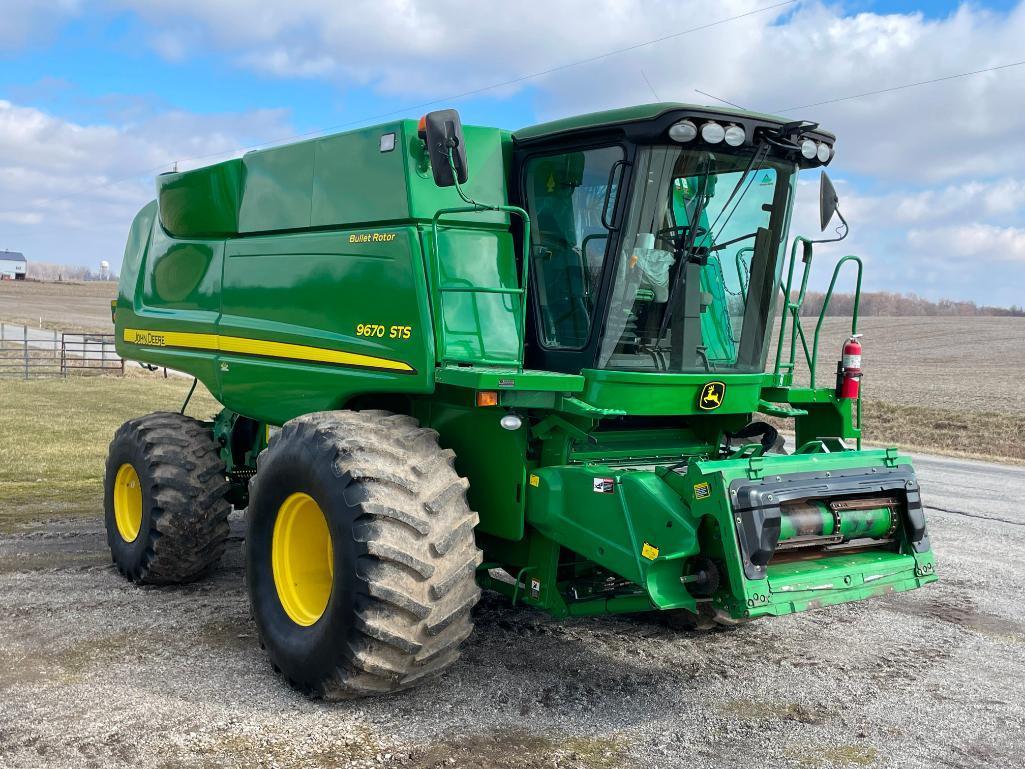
740	537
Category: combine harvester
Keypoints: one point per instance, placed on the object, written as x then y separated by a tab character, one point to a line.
459	358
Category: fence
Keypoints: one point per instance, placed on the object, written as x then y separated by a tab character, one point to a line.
28	353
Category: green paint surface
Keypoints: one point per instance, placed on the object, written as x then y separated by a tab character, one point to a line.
306	277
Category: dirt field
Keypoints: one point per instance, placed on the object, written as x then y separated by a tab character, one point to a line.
59	306
95	672
959	364
951	385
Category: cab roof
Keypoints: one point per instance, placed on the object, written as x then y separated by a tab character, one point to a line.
643	112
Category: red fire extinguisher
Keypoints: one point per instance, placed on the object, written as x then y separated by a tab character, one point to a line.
848	369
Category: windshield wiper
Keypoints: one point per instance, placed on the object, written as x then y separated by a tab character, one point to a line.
683	249
685	254
761	152
721	246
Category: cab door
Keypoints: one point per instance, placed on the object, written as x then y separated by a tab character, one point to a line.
571	194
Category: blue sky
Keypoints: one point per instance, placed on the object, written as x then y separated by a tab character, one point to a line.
92	69
95	97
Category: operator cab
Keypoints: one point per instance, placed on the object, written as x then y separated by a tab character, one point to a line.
657	236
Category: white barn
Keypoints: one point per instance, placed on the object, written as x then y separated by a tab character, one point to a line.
12	265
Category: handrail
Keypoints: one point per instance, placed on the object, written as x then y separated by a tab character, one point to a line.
783	373
793	309
439	318
825	306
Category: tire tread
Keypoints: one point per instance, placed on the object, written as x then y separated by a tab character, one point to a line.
188	509
414	532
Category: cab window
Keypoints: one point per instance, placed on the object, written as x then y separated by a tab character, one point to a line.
566	194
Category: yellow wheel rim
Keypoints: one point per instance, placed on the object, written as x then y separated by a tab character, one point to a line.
127	503
302	559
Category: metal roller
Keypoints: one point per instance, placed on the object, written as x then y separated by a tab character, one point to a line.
812	522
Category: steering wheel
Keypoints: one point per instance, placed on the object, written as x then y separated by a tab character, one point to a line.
678	235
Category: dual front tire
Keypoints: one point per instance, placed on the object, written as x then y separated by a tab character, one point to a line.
360	553
165	512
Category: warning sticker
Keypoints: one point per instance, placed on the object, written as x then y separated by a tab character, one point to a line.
535	480
649	551
604	485
535	588
702	490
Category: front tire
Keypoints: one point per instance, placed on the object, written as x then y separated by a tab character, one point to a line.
360	553
706	619
164	487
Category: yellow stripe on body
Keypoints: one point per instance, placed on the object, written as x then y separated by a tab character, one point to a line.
259	347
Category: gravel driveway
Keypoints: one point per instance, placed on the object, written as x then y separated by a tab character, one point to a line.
95	672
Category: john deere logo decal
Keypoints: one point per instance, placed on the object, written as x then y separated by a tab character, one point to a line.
711	396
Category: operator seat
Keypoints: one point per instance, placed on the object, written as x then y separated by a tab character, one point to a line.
560	270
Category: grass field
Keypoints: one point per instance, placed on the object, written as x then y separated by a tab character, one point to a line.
55	436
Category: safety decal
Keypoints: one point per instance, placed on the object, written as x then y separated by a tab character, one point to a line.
702	490
604	485
712	396
535	480
649	551
535	588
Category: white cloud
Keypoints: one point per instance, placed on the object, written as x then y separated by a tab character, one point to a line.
929	176
772	60
23	21
972	240
68	191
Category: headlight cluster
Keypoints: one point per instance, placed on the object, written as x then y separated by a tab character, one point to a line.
812	149
734	135
711	132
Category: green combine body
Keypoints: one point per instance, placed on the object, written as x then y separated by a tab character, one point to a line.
585	323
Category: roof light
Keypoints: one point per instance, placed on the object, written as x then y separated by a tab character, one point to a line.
735	135
809	149
712	132
683	131
824	152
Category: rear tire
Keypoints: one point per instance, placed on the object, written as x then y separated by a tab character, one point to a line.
393	541
164	487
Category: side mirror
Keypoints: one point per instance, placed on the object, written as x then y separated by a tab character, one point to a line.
828	200
443	131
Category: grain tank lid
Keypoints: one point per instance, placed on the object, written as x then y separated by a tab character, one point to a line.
201	203
12	256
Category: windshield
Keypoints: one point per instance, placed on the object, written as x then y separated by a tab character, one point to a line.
694	278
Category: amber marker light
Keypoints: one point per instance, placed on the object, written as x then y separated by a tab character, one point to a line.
487	398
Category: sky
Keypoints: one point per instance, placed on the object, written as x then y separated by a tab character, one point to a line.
97	97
